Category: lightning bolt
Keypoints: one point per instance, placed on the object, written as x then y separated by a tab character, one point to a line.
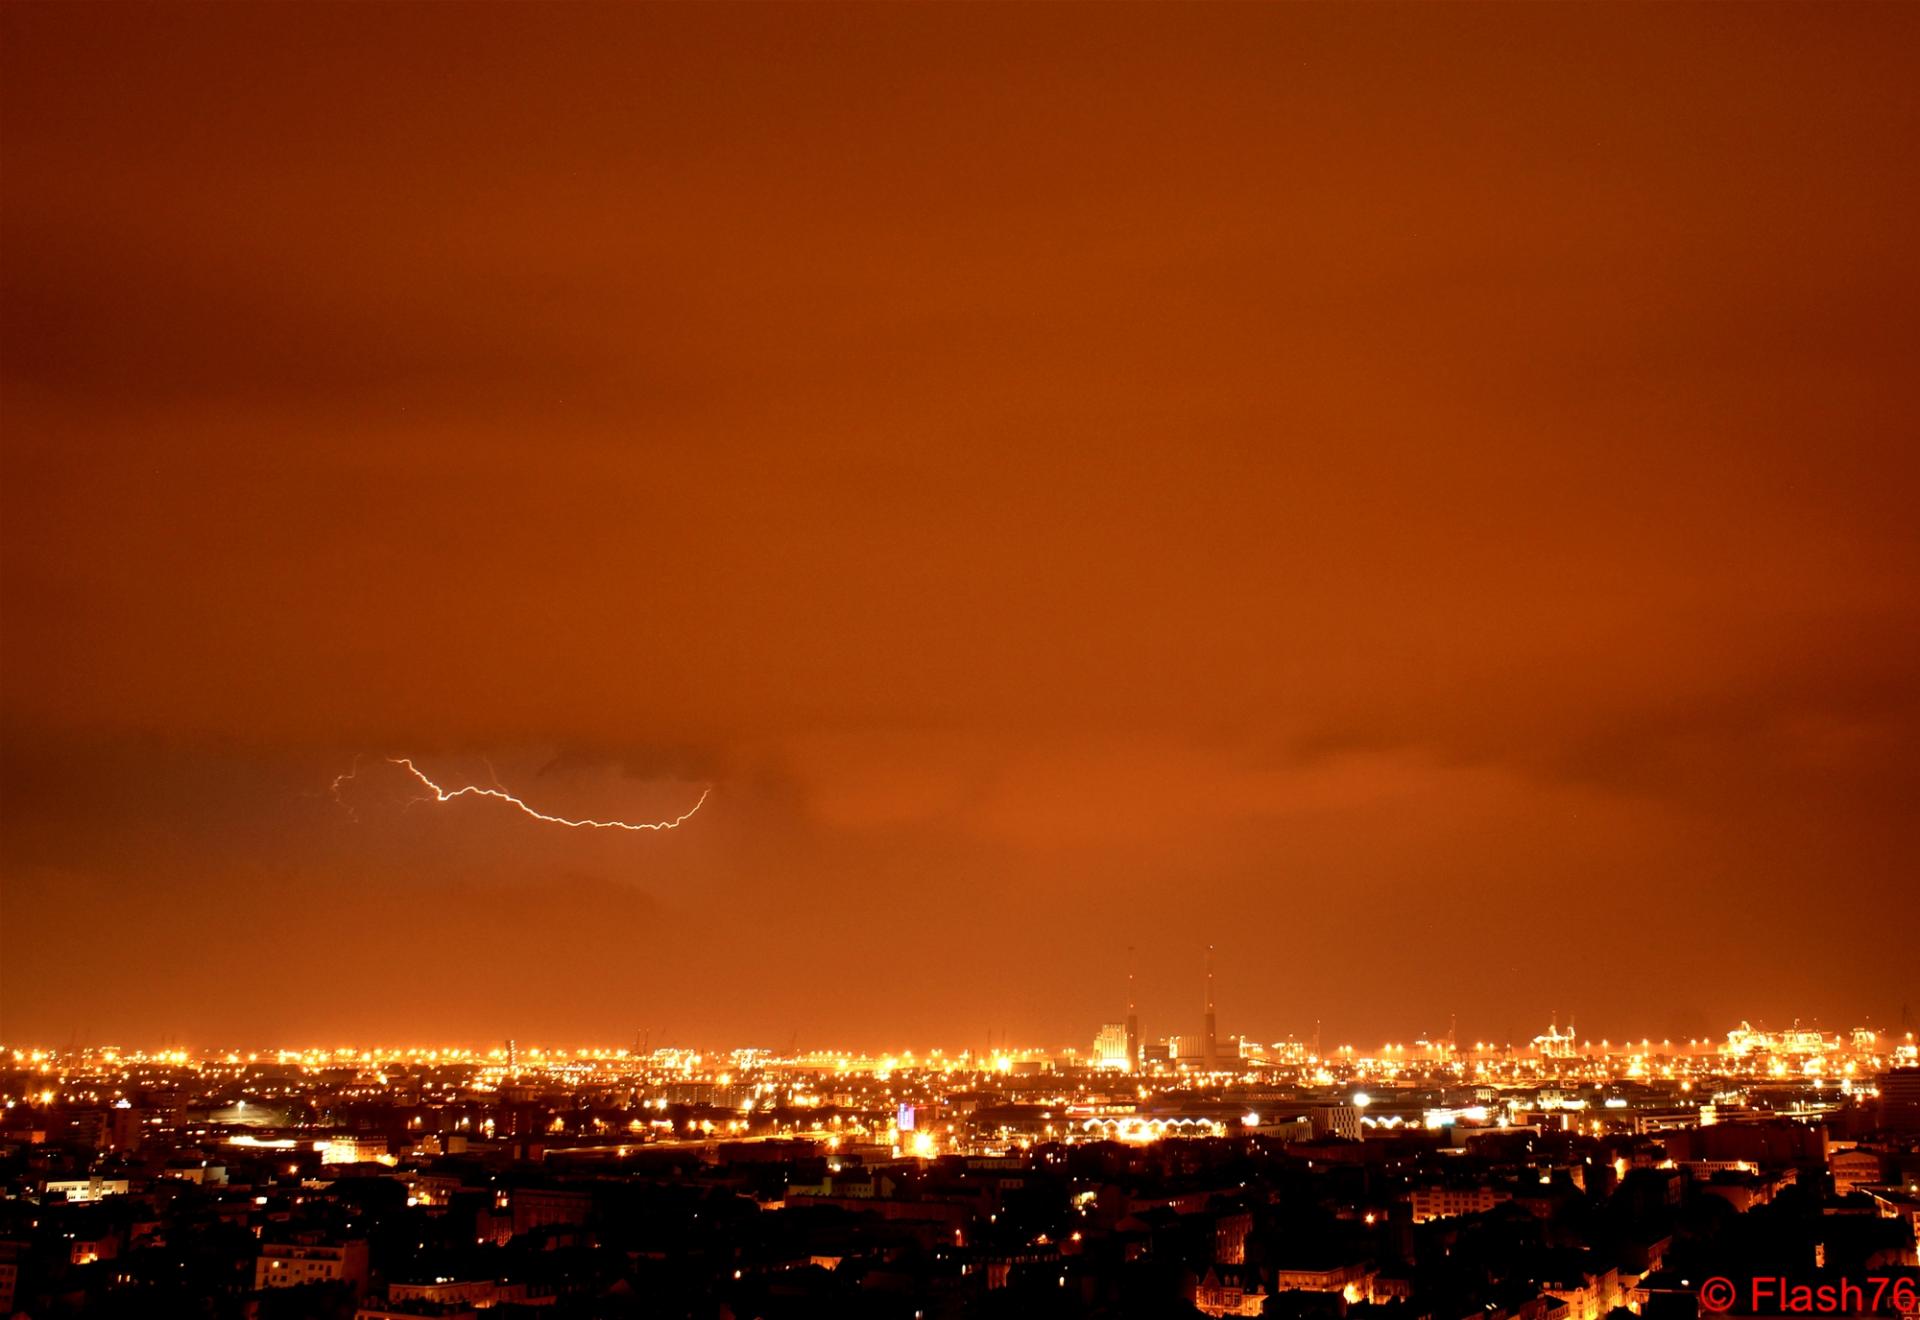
499	793
347	778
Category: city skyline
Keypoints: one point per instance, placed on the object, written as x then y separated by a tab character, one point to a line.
1138	1037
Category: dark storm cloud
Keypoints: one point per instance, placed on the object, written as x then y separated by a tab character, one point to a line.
107	318
1145	475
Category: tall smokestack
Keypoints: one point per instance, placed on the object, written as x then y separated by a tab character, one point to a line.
1210	1045
1133	1018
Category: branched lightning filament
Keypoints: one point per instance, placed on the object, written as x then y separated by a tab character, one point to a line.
441	794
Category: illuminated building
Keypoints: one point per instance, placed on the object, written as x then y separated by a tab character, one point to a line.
1225	1290
1230	1238
1447	1202
78	1190
352	1148
1336	1120
291	1265
1795	1042
1136	1128
1112	1048
479	1293
1353	1280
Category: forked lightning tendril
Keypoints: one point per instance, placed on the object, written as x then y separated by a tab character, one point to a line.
475	790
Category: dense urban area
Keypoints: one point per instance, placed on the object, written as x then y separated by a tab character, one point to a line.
1436	1180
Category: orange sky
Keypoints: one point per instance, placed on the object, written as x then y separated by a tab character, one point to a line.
1422	498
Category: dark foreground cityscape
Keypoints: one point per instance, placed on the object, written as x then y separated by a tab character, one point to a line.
1766	1173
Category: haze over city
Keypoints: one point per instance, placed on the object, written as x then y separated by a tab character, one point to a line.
1418	499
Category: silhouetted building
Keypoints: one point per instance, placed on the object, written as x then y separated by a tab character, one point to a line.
1900	1100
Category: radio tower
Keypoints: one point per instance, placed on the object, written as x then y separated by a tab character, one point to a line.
1209	1045
1133	1019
